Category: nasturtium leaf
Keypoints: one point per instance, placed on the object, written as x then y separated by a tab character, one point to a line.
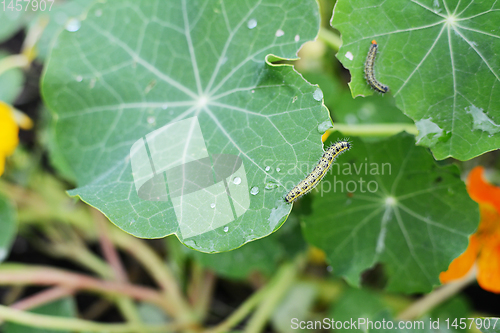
7	227
11	83
195	72
440	60
295	306
488	325
390	202
60	15
11	20
358	306
64	308
262	255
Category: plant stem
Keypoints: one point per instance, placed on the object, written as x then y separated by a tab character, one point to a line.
279	286
43	297
200	290
37	275
13	61
73	324
438	296
124	303
158	269
330	38
369	130
243	311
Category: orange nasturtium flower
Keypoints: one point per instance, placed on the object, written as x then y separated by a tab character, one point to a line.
10	121
484	245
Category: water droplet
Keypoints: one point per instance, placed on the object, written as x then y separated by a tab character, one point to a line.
253	91
151	120
73	25
349	55
318	94
329	268
278	169
297	38
268	168
324	126
279	33
294	99
132	221
212	205
79	78
165	106
270	186
226	229
98	13
254	190
237	180
252	23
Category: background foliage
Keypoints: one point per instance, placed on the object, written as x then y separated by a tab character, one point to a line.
265	79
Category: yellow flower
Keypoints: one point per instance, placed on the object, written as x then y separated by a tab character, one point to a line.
10	121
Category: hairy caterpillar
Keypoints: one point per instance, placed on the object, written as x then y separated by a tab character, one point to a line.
319	171
369	71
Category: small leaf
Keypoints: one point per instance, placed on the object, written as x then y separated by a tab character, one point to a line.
488	325
187	62
7	226
11	83
389	202
11	21
440	60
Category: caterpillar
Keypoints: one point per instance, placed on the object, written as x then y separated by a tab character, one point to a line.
369	72
319	171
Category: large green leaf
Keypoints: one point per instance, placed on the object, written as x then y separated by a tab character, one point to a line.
131	67
7	227
390	202
440	60
262	255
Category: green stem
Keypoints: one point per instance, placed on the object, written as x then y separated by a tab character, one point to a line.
13	61
237	316
368	130
330	38
279	286
438	296
13	274
158	269
73	324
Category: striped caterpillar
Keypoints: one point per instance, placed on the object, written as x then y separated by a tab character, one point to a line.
319	171
369	71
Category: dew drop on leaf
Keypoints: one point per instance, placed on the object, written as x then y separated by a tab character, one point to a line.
318	94
73	25
254	190
252	23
